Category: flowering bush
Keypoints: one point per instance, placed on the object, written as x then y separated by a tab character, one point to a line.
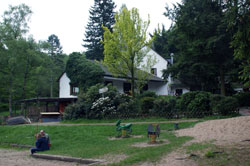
102	107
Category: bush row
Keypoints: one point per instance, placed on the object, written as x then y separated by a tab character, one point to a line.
112	104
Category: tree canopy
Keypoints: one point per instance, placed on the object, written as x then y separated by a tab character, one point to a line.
238	15
203	45
101	14
82	72
25	66
123	48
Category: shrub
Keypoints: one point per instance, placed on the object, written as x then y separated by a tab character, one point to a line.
84	105
215	101
200	106
147	94
227	106
243	98
165	106
194	104
147	104
74	111
102	107
184	100
129	109
93	94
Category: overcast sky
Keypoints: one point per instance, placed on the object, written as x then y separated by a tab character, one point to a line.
68	18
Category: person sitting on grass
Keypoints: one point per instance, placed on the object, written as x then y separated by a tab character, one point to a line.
43	134
41	144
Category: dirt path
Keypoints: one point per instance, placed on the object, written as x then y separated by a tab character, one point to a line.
23	158
112	124
221	132
232	132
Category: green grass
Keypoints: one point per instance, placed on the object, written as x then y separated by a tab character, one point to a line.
151	119
92	141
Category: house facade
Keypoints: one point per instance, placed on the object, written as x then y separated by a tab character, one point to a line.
156	82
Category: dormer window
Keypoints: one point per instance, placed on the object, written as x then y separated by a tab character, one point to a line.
154	71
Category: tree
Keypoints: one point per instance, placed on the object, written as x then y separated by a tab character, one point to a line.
82	72
238	14
202	40
162	41
55	46
125	47
12	29
57	60
101	14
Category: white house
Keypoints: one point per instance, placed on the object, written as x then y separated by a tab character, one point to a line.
156	83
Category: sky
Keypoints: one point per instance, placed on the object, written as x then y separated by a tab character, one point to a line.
68	18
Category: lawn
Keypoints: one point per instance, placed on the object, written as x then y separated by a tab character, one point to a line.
91	141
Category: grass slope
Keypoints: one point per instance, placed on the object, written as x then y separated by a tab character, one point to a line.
92	141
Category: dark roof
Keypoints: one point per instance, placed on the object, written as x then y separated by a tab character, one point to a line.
47	99
107	73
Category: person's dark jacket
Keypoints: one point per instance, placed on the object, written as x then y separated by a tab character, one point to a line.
42	144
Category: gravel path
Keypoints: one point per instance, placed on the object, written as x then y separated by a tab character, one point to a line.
223	131
112	124
23	158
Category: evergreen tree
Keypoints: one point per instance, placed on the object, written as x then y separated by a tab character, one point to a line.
55	46
101	14
57	61
204	57
162	41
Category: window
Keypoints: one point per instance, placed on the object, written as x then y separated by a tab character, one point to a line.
126	88
74	90
154	71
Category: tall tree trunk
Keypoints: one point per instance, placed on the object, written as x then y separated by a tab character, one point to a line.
222	82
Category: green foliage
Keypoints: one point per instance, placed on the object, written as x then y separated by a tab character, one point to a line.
222	105
125	48
165	106
243	98
92	104
200	106
194	104
238	17
101	14
74	111
163	41
147	104
202	46
129	109
227	106
147	94
82	72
